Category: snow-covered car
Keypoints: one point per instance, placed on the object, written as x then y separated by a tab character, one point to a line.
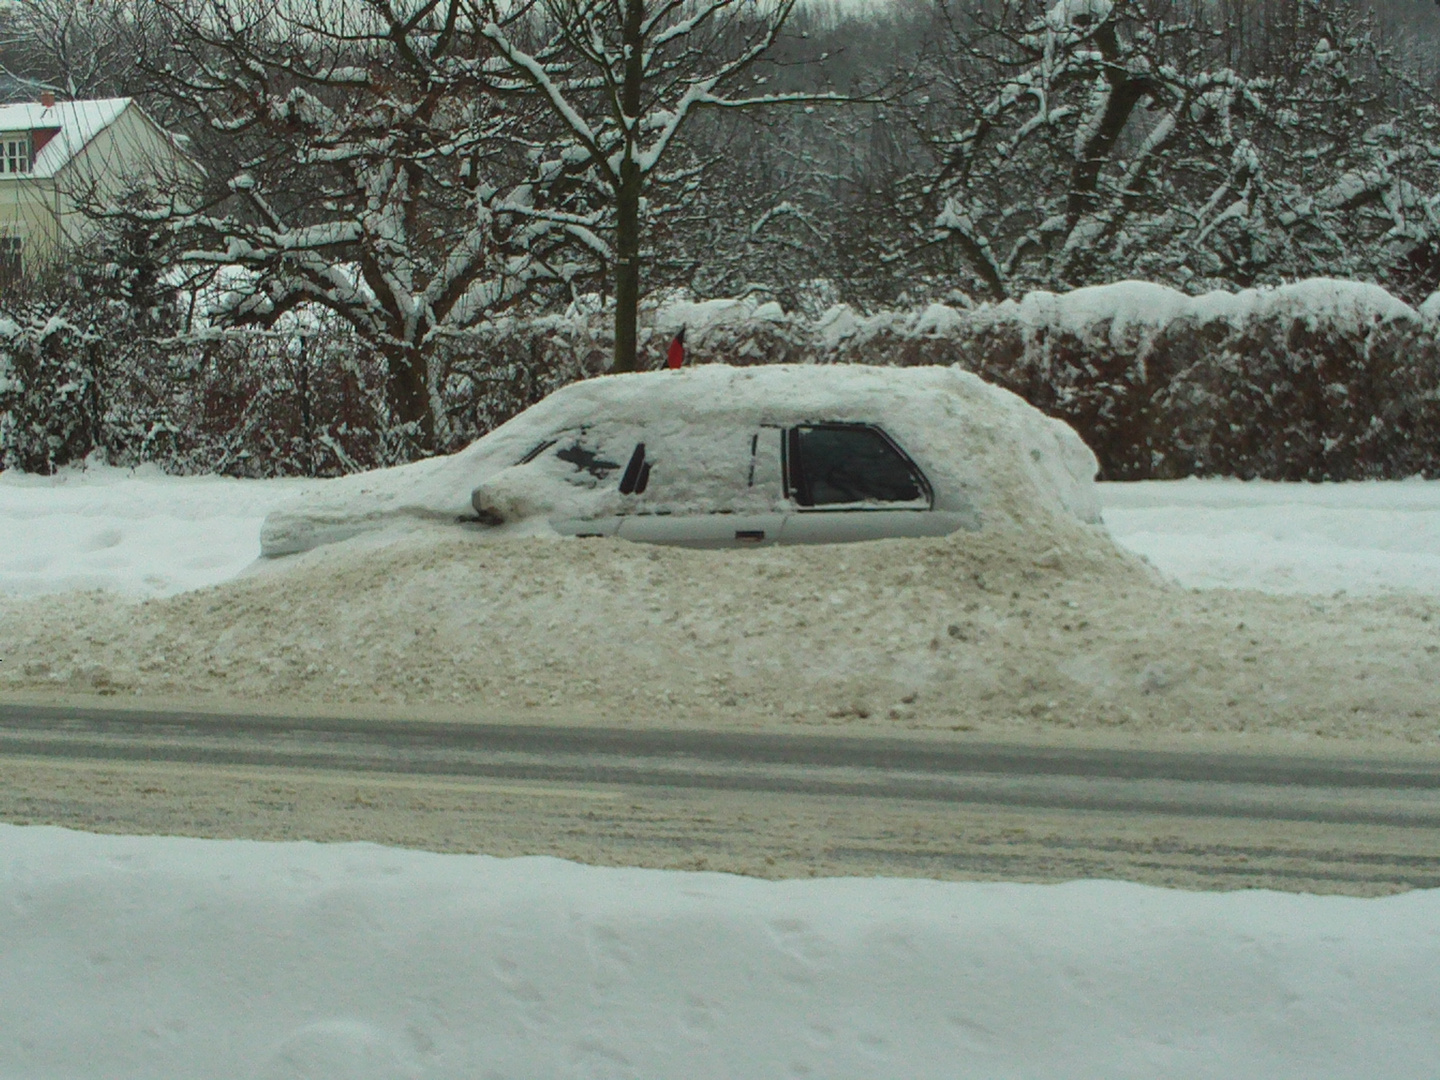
716	456
725	481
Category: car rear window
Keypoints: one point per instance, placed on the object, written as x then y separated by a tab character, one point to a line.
837	464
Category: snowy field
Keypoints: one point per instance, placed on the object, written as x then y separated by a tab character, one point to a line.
142	533
127	957
137	532
1364	538
142	957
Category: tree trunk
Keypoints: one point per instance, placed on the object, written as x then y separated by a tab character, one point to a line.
407	393
1126	92
627	199
627	269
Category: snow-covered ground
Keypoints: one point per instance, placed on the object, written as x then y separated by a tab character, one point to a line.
137	532
142	533
143	957
127	957
1365	538
1012	631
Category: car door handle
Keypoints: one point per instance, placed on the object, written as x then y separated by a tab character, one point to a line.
753	536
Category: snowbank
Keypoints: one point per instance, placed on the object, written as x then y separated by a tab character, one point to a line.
1009	631
141	957
136	531
1012	632
1363	538
1012	463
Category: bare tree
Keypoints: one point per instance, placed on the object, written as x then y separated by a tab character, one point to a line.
74	48
361	167
1075	141
759	221
623	78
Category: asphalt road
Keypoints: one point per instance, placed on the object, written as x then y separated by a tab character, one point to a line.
778	805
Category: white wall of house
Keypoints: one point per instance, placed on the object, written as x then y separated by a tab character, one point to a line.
29	211
47	214
131	153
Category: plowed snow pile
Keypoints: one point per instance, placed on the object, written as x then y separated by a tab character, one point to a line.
1043	627
1035	621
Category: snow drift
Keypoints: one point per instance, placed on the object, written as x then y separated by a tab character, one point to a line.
1012	463
141	957
1009	631
142	533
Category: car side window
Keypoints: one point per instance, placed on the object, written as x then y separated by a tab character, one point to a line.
636	477
677	467
848	464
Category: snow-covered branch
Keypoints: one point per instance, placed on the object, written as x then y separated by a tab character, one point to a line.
1092	141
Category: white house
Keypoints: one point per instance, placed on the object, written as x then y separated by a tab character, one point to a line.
56	157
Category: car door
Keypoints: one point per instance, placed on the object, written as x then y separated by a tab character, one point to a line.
573	477
850	482
705	489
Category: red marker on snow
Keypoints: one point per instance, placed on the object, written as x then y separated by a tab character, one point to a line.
676	354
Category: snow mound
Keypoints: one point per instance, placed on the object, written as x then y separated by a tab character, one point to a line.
1028	629
697	317
136	531
1012	463
149	956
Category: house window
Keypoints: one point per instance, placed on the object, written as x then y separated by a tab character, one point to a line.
11	264
16	157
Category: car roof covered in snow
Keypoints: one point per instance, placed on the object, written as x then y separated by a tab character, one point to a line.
1009	460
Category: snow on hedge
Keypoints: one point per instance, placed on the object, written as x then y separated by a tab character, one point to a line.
1115	308
1316	380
